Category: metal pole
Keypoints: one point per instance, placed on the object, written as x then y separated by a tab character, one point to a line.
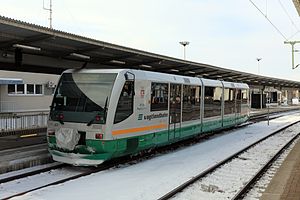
293	57
50	14
184	44
268	101
268	114
293	51
258	59
50	11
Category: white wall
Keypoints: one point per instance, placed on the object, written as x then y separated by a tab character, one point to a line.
26	102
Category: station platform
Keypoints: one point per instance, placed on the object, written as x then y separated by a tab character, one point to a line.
285	185
272	109
24	157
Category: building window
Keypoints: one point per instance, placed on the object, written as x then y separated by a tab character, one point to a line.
38	89
25	89
11	89
20	89
159	96
30	89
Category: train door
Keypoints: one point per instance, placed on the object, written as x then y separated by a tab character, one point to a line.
238	104
175	111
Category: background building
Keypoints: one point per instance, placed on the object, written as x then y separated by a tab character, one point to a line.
23	91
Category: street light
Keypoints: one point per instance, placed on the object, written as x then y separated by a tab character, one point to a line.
184	43
293	50
258	59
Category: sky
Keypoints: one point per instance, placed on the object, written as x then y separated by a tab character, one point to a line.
231	34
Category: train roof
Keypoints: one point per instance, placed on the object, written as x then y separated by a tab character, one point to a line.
164	77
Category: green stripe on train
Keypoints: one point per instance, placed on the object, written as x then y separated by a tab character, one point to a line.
132	145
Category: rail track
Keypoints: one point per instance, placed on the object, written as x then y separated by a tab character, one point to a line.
241	167
31	173
116	163
248	186
86	172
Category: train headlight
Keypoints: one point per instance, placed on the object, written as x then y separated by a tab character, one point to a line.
61	116
51	132
98	118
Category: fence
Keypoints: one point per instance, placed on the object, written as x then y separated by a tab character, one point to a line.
12	121
7	106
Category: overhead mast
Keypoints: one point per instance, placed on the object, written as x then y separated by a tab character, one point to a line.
50	11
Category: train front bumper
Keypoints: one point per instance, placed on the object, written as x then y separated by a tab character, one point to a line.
78	159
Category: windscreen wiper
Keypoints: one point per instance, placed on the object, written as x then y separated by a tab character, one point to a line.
105	110
90	122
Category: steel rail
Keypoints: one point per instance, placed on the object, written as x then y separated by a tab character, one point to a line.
262	171
31	173
126	160
103	167
183	186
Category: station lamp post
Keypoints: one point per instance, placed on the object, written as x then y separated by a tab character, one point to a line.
258	59
184	44
293	50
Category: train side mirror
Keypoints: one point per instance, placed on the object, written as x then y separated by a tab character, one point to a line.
129	76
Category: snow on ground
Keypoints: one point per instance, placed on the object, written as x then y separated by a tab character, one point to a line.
259	188
27	183
153	178
227	180
26	170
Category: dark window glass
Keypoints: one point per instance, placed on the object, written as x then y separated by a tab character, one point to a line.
30	89
175	103
38	89
191	103
159	96
245	105
212	101
11	89
83	92
125	104
229	101
238	100
20	89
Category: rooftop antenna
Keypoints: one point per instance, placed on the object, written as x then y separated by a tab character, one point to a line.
50	11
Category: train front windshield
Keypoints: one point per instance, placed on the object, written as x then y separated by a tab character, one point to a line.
82	97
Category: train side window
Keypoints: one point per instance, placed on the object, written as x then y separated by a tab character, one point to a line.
159	96
125	104
191	103
245	97
238	100
229	101
212	101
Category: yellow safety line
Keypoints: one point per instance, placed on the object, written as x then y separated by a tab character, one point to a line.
28	135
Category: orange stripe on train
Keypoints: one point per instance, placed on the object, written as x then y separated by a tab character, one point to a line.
139	129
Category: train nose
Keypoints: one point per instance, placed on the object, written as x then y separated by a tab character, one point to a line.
67	138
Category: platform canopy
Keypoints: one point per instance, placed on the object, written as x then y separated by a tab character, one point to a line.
32	48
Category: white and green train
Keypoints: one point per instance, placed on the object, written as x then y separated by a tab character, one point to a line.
99	114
